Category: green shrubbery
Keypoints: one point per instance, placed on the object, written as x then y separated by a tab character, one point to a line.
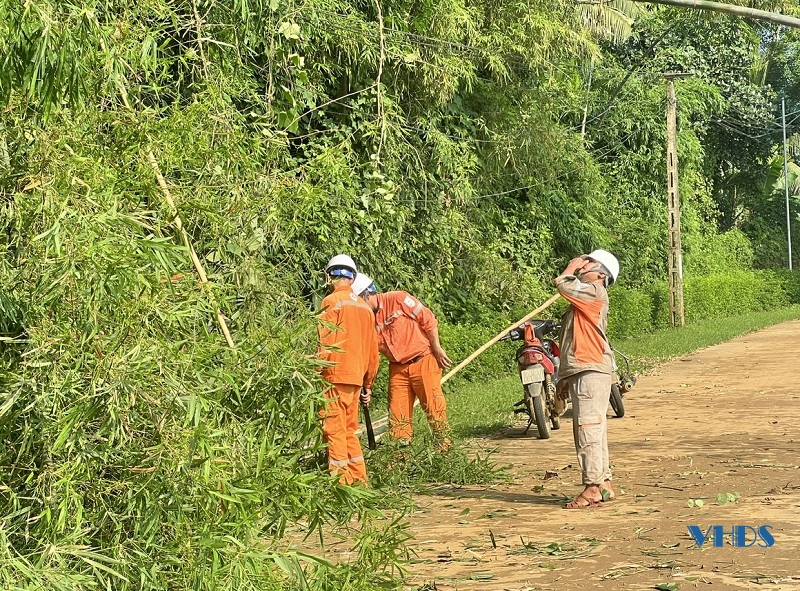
636	311
630	311
137	450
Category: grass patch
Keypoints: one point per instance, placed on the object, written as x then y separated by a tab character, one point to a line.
478	410
418	466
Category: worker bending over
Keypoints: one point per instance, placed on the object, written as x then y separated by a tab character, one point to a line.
351	350
408	336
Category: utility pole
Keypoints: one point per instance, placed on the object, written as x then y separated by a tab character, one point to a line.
675	259
786	181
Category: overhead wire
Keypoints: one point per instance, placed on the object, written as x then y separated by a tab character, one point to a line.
411	127
530	185
743	127
438	43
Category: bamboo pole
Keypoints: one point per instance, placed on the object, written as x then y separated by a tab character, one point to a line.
162	183
744	11
499	336
380	426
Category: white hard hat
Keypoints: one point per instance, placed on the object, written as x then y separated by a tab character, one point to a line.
341	262
363	283
609	261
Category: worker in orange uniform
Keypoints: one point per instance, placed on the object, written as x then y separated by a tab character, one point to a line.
351	353
408	336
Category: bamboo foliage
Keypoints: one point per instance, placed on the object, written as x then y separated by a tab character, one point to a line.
138	452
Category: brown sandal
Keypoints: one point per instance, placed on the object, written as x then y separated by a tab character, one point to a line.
575	503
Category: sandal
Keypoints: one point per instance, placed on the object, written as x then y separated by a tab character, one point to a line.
575	503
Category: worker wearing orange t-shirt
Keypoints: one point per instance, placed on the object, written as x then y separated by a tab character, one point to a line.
408	336
351	356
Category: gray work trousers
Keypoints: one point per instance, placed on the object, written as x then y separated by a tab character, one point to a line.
590	391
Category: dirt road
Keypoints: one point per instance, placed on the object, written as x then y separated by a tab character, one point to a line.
723	420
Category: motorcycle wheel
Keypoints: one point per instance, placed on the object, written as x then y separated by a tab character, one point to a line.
616	401
536	408
550	390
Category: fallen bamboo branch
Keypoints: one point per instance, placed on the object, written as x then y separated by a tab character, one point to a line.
162	183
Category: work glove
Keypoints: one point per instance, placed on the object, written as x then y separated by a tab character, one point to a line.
366	395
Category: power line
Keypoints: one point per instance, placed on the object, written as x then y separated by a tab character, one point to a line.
531	185
438	43
738	126
411	127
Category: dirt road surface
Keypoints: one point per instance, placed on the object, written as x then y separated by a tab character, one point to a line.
725	419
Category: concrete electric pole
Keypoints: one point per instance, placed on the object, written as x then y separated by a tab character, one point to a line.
675	262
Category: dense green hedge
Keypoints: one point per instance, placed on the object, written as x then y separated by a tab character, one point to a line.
634	311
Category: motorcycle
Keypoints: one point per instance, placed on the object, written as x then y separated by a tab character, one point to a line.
537	362
623	382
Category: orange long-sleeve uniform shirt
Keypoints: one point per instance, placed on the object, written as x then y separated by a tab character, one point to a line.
403	323
353	350
583	347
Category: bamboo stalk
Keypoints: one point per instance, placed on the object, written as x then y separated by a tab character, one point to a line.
162	183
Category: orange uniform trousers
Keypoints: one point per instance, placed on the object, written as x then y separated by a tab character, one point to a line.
421	379
340	421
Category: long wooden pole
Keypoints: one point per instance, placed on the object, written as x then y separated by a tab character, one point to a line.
162	183
499	336
380	426
744	11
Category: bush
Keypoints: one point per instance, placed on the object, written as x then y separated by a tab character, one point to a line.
630	312
633	311
789	282
461	340
718	253
731	293
137	450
